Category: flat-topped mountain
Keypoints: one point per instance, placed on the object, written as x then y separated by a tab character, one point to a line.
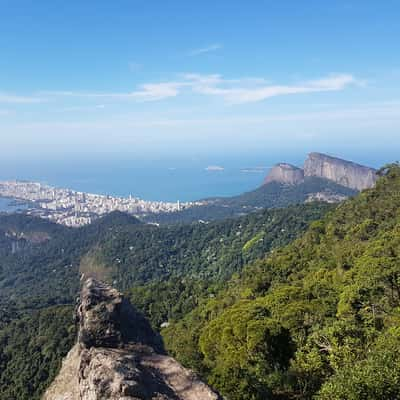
346	173
118	356
318	165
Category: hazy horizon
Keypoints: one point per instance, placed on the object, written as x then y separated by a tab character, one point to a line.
168	179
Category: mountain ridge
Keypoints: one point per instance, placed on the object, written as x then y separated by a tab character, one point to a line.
322	178
345	173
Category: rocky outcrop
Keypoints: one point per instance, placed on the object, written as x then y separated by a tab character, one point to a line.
343	172
118	356
285	173
317	165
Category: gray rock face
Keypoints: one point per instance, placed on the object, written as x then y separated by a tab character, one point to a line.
285	173
107	319
343	172
119	357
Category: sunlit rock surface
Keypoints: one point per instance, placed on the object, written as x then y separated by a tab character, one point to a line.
118	356
345	173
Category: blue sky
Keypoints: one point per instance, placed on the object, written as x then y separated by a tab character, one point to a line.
173	78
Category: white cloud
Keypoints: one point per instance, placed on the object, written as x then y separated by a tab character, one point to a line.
248	91
232	91
207	49
145	92
157	91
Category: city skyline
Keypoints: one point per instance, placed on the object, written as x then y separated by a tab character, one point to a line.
73	208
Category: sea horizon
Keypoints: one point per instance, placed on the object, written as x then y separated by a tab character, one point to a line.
168	180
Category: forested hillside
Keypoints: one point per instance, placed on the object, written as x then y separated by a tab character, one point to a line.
257	312
316	319
255	316
270	195
41	263
31	350
36	273
139	254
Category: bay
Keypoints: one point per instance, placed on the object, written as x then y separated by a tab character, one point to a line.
9	206
163	179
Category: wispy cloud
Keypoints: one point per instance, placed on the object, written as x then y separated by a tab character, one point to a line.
95	107
206	49
145	92
16	99
249	91
231	91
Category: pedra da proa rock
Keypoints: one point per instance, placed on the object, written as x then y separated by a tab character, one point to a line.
119	357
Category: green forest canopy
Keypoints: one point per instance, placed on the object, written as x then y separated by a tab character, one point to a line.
40	263
318	318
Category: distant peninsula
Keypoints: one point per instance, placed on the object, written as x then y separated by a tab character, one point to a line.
72	208
322	178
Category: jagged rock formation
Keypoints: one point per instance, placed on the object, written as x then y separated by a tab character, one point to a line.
343	172
118	356
317	165
285	173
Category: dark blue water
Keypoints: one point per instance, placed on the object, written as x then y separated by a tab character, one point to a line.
165	179
160	180
8	206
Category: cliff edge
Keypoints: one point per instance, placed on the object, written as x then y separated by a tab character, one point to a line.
345	173
119	356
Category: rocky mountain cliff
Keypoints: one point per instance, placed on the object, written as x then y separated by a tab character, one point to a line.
285	173
323	178
118	356
342	172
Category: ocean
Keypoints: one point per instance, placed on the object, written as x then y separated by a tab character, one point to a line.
163	180
8	206
159	180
